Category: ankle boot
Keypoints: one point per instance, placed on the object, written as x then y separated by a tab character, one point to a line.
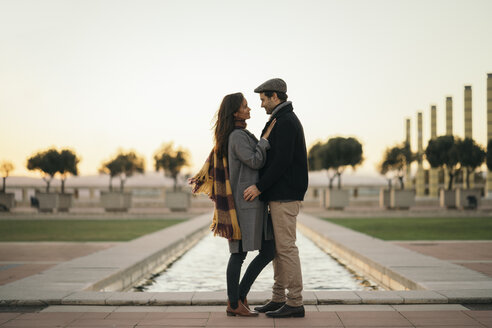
246	306
245	302
241	310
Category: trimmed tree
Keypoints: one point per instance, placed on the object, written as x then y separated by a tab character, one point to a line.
47	163
334	156
51	162
397	159
318	159
171	160
315	154
67	166
123	165
111	168
470	156
443	152
5	169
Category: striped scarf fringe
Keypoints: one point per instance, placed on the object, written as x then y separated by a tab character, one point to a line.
213	180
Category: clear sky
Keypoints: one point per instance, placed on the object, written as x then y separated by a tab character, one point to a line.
96	76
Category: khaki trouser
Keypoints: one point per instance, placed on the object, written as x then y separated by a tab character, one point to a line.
286	264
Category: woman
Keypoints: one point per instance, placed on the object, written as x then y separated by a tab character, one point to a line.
236	159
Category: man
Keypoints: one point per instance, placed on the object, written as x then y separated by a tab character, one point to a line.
283	183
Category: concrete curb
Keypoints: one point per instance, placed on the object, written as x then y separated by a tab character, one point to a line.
219	298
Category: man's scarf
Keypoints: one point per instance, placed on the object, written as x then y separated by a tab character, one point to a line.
213	180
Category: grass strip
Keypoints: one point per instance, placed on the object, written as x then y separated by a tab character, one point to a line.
455	228
80	230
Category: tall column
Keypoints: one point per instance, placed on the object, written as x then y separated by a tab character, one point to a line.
489	128
449	131
468	127
420	185
449	116
408	182
433	173
468	112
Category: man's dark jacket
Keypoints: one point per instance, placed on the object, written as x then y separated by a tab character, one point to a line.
285	174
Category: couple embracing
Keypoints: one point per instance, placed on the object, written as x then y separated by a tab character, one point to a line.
257	187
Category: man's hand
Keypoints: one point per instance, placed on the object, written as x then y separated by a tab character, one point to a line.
251	193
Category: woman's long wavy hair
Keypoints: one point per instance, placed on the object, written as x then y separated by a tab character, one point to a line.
224	123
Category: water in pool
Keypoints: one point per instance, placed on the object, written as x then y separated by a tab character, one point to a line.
203	268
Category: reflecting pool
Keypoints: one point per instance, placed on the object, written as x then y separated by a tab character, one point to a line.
203	268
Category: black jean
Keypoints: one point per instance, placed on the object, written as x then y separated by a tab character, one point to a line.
236	290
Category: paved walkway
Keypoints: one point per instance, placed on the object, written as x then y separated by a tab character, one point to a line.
214	316
474	255
22	259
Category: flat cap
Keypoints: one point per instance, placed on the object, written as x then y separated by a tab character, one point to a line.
277	85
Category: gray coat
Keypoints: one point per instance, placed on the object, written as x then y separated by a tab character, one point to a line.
246	156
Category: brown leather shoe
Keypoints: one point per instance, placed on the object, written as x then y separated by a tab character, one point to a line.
241	310
246	304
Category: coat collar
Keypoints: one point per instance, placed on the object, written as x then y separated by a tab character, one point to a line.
282	108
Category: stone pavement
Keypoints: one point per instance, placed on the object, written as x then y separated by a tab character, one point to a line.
442	315
474	255
22	259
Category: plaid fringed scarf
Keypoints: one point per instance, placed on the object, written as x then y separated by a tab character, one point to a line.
213	180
